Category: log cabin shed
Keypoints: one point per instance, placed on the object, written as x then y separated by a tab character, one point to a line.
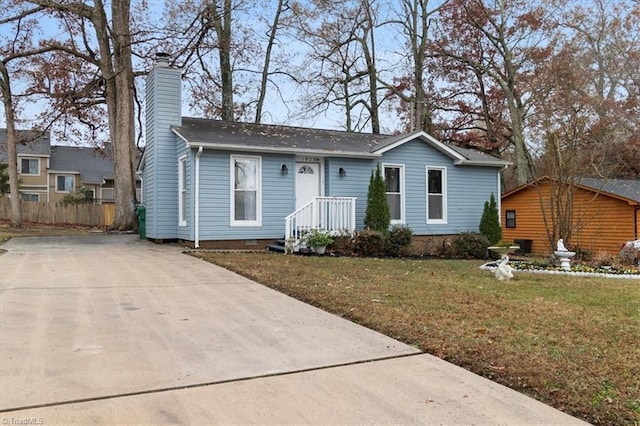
606	214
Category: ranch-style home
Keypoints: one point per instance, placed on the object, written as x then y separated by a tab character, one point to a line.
215	184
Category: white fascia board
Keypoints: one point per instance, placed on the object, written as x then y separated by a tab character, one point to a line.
301	151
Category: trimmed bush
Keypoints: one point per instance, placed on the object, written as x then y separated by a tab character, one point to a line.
369	243
471	245
490	221
399	241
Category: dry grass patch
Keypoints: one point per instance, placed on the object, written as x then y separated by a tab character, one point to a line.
571	342
30	229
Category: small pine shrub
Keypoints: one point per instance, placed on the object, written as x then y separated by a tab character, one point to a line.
377	217
490	221
399	241
471	245
369	243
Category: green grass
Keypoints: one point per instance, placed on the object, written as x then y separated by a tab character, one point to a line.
572	342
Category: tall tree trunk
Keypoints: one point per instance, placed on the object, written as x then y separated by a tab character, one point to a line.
369	50
267	60
12	154
222	25
124	135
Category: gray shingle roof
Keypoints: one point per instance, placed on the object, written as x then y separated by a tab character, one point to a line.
40	146
621	187
222	134
93	164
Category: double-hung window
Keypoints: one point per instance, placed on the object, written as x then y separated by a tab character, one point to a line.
394	179
182	191
30	166
64	183
510	216
246	191
436	195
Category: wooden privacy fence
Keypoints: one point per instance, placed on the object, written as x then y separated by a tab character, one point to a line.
77	214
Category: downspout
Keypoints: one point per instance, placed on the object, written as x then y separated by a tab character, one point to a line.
196	222
636	235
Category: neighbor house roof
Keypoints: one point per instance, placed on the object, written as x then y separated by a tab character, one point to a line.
38	144
215	134
94	165
628	189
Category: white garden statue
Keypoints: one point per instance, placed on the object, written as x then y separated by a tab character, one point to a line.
504	271
564	255
560	245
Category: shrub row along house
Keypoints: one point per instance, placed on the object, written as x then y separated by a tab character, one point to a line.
48	174
218	184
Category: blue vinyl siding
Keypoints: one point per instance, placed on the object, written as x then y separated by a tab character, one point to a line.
215	197
354	184
468	187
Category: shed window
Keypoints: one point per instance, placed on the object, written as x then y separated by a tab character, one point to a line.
510	219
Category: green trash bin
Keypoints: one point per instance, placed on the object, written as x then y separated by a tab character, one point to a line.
142	221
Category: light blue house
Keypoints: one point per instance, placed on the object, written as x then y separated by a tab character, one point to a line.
217	184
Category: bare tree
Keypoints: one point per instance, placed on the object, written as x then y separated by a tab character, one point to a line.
340	68
497	42
414	89
108	71
16	48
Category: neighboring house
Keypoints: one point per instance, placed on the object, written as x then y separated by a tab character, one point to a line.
49	173
606	213
220	184
33	163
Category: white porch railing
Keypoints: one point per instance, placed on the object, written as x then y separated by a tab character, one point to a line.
334	214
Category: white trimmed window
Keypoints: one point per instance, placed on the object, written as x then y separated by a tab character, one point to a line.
246	191
394	179
436	195
182	191
64	183
30	166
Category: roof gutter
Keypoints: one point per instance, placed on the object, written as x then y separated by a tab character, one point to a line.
502	164
196	221
317	152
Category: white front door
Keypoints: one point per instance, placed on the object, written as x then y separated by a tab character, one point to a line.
307	182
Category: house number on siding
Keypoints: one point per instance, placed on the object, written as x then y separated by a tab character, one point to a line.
309	159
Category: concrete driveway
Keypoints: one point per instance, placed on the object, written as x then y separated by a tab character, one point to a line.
114	330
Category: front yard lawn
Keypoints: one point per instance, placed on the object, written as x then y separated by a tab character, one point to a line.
571	342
